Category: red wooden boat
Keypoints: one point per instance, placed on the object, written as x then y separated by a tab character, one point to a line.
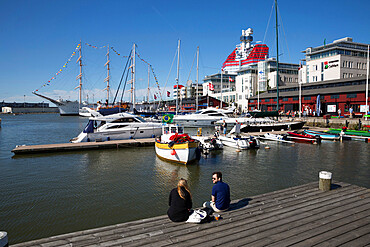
304	137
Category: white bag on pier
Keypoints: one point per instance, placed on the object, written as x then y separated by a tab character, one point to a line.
197	216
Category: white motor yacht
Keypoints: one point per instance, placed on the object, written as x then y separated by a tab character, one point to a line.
250	124
119	126
202	118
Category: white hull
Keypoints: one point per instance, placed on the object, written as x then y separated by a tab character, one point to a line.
273	137
205	117
68	108
239	143
208	143
183	155
83	112
131	132
196	122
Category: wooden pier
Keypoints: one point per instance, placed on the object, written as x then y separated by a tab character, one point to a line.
63	147
299	216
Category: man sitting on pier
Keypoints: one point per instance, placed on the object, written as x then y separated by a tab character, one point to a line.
220	194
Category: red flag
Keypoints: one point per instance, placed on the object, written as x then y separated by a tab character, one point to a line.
211	87
231	79
168	94
155	96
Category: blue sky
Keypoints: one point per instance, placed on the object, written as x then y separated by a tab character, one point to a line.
38	37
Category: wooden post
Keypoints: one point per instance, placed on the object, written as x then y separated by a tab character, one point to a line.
324	180
3	239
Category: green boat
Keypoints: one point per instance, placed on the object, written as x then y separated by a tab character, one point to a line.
350	132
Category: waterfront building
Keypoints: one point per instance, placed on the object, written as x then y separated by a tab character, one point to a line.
191	90
212	83
181	91
344	93
341	59
26	107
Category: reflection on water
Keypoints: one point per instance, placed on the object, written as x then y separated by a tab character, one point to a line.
170	171
49	194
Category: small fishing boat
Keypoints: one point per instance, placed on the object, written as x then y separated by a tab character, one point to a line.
176	146
208	143
323	135
302	137
273	137
239	142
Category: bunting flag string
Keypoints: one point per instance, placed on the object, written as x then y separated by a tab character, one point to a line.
118	53
151	68
60	70
95	47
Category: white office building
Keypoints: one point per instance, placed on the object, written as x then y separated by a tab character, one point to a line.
341	59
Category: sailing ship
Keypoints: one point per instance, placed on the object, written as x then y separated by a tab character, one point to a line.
68	107
77	107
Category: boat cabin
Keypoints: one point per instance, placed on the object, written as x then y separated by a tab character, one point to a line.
112	122
169	130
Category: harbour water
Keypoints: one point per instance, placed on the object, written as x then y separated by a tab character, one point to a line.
50	194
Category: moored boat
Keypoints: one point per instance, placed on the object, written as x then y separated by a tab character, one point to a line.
119	126
349	132
323	135
208	143
274	137
202	118
302	137
176	146
250	124
239	142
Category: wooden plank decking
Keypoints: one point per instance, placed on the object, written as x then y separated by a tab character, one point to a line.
63	147
299	216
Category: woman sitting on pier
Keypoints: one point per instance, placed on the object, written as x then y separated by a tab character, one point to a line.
180	202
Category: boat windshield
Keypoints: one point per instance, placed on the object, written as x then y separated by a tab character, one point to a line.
141	119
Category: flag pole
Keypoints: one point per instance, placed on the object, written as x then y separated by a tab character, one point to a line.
221	90
367	82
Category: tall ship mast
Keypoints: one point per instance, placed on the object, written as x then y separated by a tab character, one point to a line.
107	79
68	107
